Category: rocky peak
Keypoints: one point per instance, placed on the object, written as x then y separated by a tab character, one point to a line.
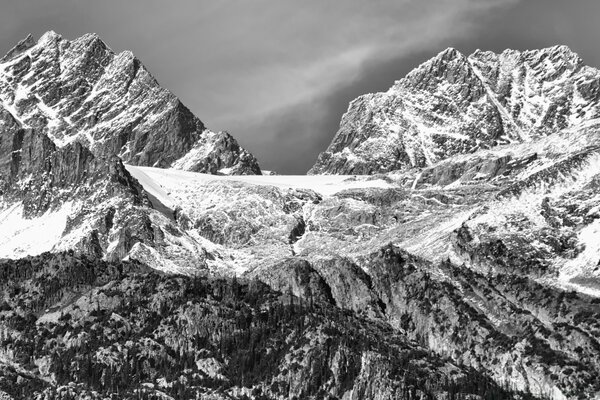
453	104
560	54
546	64
449	66
19	48
81	91
49	37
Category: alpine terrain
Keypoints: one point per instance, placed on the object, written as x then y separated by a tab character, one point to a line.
445	246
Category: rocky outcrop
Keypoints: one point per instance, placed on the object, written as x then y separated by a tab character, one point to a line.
218	153
297	277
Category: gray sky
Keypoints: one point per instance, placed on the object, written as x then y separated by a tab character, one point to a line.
278	74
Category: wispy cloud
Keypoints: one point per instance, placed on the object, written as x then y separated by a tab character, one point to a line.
280	54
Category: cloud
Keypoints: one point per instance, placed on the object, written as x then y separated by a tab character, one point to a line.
298	118
290	54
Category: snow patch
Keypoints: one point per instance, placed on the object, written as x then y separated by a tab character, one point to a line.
20	236
586	261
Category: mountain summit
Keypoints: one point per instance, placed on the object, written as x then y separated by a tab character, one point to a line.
81	91
454	104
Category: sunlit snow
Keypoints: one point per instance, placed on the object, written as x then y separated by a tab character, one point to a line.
20	236
159	182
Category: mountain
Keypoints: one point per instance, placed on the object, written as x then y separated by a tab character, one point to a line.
81	91
72	112
454	104
473	273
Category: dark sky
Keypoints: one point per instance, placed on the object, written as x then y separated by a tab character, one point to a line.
279	74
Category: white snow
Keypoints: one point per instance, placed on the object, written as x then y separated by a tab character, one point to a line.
20	236
50	112
151	185
22	92
159	182
586	261
226	171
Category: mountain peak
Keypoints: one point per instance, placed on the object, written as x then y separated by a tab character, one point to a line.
443	58
555	54
81	91
23	45
561	48
49	36
90	38
452	104
448	66
449	54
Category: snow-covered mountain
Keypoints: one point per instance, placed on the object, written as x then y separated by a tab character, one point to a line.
466	267
454	104
80	90
70	113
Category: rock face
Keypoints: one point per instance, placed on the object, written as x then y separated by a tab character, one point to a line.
81	91
453	104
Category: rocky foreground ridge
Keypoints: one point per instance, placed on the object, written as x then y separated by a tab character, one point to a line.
80	328
473	275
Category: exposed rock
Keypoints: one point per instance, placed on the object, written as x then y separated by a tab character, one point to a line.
295	276
514	328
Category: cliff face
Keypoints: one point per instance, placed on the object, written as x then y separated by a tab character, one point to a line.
81	91
532	337
454	104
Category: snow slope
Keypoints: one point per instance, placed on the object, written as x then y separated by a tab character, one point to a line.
20	237
160	182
